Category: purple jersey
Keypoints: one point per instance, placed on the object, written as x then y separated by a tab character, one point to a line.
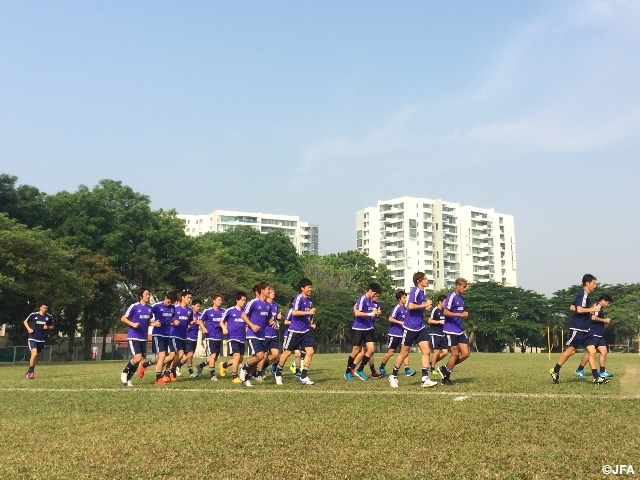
259	313
399	313
289	317
271	331
415	317
300	323
211	319
184	315
140	314
364	304
455	304
37	323
581	321
164	315
194	328
235	324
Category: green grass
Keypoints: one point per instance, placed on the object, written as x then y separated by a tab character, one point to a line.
502	418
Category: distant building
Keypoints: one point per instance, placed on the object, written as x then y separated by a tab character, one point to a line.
441	238
303	235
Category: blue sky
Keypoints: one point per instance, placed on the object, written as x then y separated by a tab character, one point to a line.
319	109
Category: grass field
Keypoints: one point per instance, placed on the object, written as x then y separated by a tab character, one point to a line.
502	418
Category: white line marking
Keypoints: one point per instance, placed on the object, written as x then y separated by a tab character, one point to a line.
316	391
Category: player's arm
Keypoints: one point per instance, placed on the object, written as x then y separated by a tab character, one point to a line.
596	318
433	321
594	309
449	313
50	325
249	323
155	322
223	325
126	321
202	326
359	313
27	326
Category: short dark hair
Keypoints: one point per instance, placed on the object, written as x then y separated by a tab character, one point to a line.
172	295
606	297
461	281
196	301
255	289
141	291
305	282
417	277
262	286
587	277
441	298
400	294
186	292
375	288
239	295
216	295
44	302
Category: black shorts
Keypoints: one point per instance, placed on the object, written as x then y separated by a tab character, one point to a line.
138	347
579	339
235	347
39	346
159	344
394	343
214	346
191	346
438	342
298	341
360	338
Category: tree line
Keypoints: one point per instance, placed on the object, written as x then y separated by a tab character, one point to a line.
87	252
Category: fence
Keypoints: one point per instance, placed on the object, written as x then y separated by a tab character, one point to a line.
22	354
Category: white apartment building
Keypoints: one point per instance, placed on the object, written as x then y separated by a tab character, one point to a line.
440	238
303	235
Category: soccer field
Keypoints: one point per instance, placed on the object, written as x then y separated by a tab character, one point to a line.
502	418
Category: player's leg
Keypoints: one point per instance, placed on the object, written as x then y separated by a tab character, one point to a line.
425	350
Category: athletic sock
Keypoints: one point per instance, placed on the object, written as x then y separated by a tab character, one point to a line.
181	363
406	368
602	369
145	364
31	369
349	365
202	365
158	375
557	368
365	360
425	372
212	371
580	368
373	369
395	371
305	370
594	372
278	371
234	375
225	365
382	365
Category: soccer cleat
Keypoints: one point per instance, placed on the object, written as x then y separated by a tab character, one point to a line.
178	372
193	375
141	370
129	384
242	373
214	378
221	369
305	381
606	374
383	372
427	382
600	380
409	373
172	377
279	380
376	374
555	377
199	372
258	378
298	374
580	373
446	381
435	371
292	368
247	383
123	378
160	381
236	380
361	375
30	376
348	376
442	370
393	381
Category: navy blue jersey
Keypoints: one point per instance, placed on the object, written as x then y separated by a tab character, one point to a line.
597	328
436	314
38	323
581	321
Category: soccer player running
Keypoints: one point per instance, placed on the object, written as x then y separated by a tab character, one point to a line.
162	315
234	326
36	325
457	341
272	342
580	336
363	348
210	324
415	331
257	314
396	321
137	316
192	338
438	340
362	331
182	317
299	336
597	330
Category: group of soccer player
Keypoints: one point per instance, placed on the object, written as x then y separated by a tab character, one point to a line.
407	328
250	326
587	326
